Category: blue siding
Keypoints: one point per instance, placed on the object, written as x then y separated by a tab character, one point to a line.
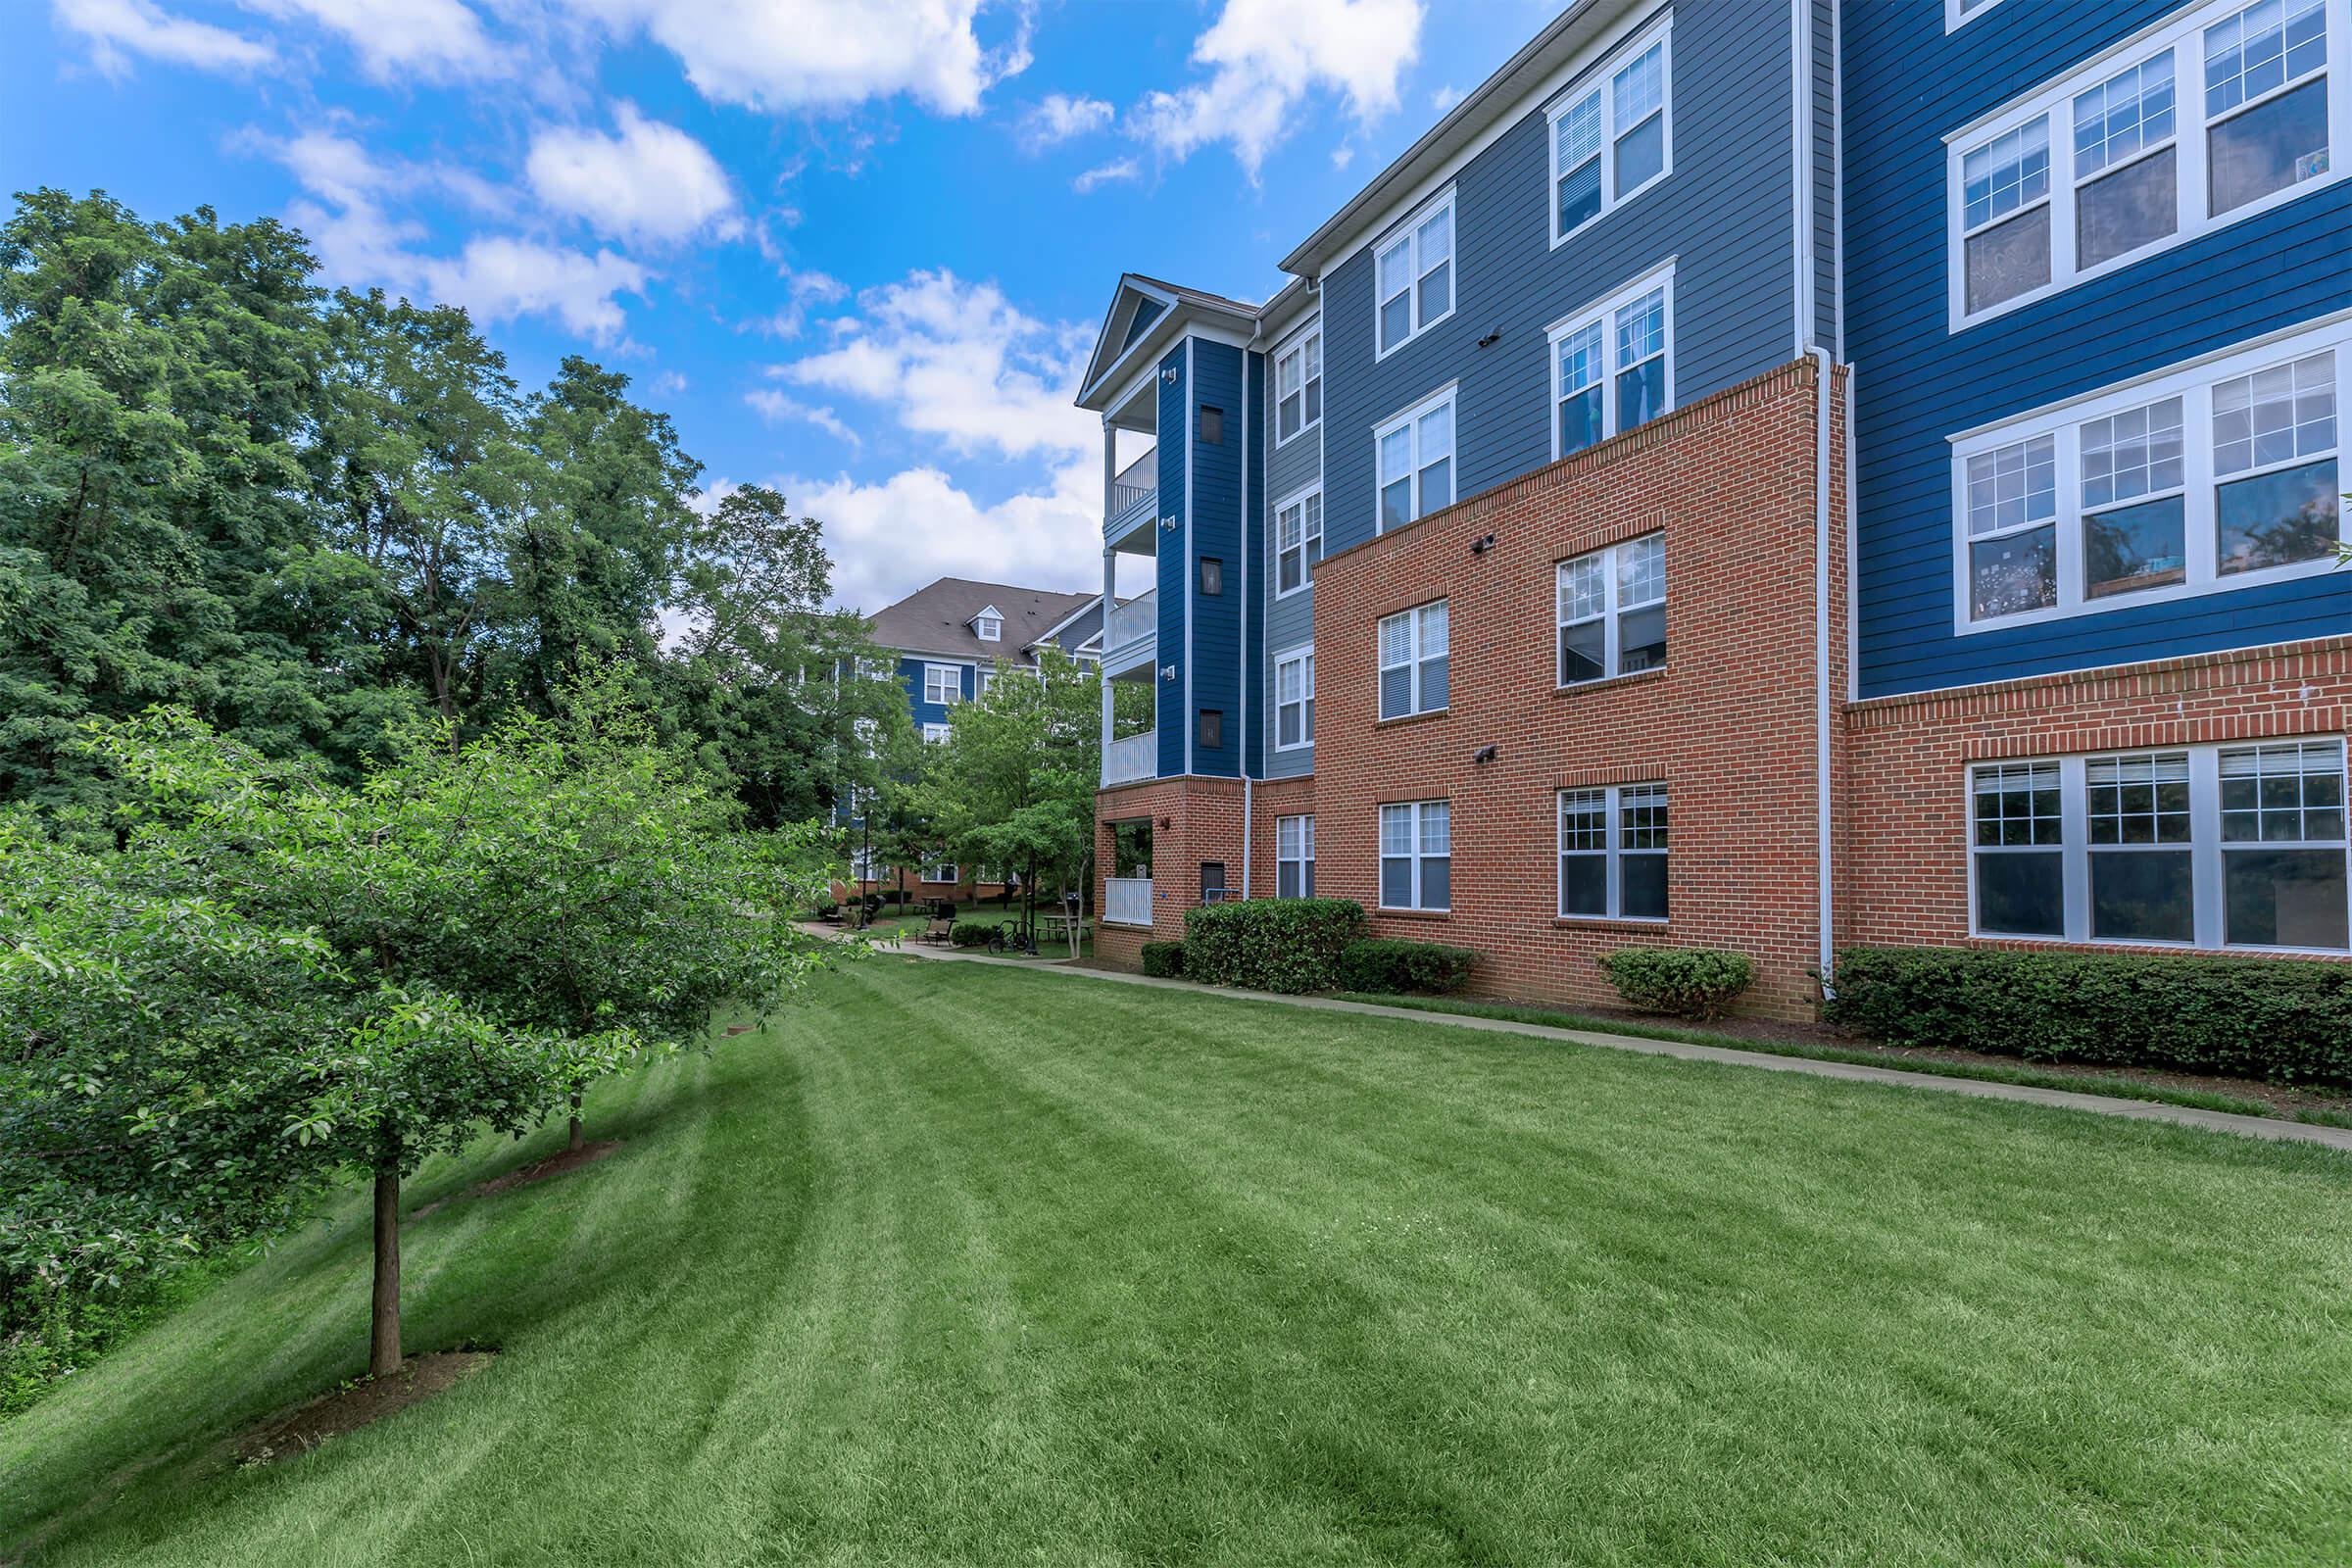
1145	313
910	676
1907	86
1726	213
1295	465
1248	564
1219	486
1172	700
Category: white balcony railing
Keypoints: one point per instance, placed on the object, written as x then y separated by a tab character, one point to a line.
1135	757
1132	621
1127	900
1136	484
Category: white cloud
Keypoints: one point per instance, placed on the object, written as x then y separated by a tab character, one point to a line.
1444	98
1059	117
781	55
119	29
648	183
781	408
1341	156
1117	168
890	538
959	361
404	40
1265	55
497	277
802	291
668	383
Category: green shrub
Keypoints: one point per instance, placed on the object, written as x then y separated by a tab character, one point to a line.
1695	982
971	933
2275	1019
1288	945
1164	959
1385	963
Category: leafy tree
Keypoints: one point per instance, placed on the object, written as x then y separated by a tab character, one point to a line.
1015	784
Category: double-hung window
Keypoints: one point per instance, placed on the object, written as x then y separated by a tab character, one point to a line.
1295	699
1413	672
943	683
936	734
1613	853
2203	119
1612	364
1299	385
942	871
1415	462
1415	274
989	628
1293	856
1416	856
2205	846
1612	610
1297	541
1613	137
2188	482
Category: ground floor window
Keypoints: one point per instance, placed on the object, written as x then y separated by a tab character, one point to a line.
2212	847
1295	857
1416	856
865	867
942	871
1613	853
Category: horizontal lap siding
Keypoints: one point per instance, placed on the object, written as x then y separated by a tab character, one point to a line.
1216	530
1172	700
1291	468
1726	212
1906	86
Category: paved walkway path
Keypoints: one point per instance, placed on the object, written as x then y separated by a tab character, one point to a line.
2276	1129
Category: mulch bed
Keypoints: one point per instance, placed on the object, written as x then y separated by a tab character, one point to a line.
349	1408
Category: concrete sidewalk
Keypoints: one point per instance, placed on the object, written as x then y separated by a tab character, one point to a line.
2277	1130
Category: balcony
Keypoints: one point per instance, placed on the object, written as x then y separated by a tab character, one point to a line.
1127	900
1134	497
1135	757
1131	634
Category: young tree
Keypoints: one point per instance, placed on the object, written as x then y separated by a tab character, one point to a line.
535	910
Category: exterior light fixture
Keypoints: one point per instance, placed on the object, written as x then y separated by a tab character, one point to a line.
1167	672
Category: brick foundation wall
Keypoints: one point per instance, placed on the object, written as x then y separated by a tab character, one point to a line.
1728	726
1903	878
1194	819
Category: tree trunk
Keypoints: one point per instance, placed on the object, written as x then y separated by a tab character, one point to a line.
575	1121
383	1324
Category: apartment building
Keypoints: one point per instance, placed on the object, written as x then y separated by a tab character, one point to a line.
1765	475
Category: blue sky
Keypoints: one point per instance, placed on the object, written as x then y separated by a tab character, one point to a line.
857	248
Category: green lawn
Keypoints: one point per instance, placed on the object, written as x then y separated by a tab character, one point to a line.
910	924
960	1264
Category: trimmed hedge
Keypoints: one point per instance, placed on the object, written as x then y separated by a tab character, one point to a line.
1389	964
972	933
1695	982
1288	945
1164	959
2285	1020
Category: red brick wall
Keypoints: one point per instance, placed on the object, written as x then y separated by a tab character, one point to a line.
1728	726
1905	802
1193	819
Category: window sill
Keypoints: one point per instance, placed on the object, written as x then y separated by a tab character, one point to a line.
1609	922
1414	915
1411	719
1606	681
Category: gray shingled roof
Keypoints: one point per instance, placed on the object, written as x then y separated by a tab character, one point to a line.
938	620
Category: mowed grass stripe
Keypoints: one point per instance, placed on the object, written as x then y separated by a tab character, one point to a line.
958	1264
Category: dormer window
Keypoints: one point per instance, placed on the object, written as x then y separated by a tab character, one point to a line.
989	626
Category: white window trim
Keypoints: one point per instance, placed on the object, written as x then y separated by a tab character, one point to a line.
1601	312
1417	857
1303	653
2192	382
1954	18
1611	613
1296	343
954	673
1415	657
1307	561
2184	34
937	734
1604	80
954	873
2205	849
1612	853
1410	418
992	616
1304	859
1409	233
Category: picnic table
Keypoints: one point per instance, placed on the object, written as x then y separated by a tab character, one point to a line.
1054	926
